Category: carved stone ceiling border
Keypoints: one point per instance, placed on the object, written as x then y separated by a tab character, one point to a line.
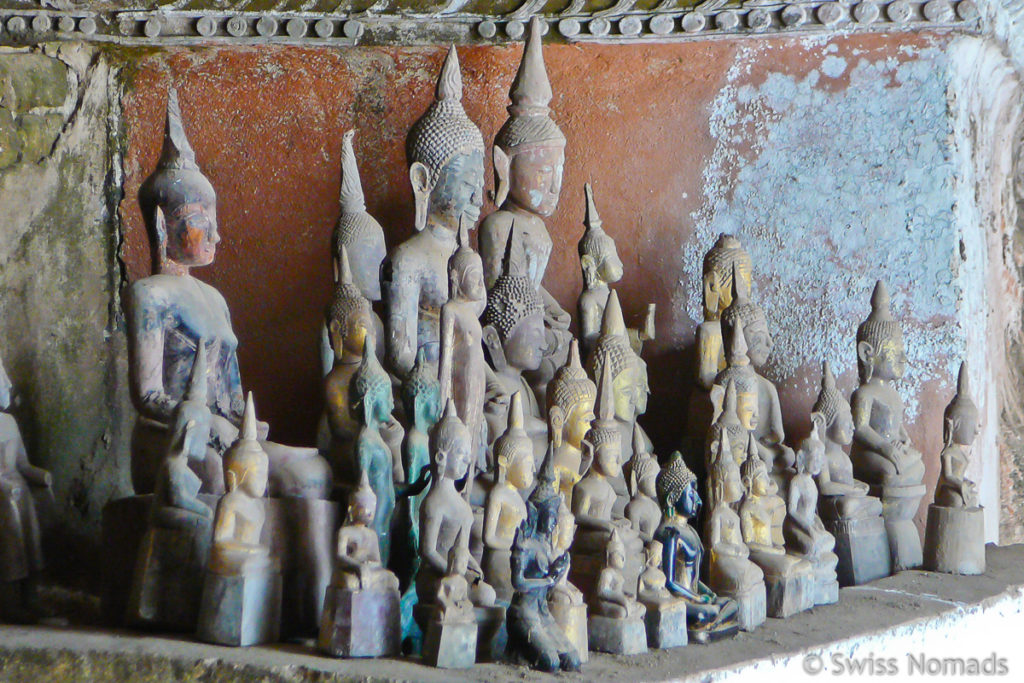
312	22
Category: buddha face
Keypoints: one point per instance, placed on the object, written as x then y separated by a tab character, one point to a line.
814	459
759	341
565	531
524	347
965	429
360	511
192	235
689	502
458	191
253	478
547	520
732	486
383	403
616	557
887	362
5	389
458	564
455	456
746	409
759	484
626	388
610	268
653	554
841	429
428	408
469	285
642	389
718	290
536	178
351	342
607	456
578	424
647	484
520	471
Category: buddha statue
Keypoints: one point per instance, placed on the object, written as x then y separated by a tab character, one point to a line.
168	579
445	151
616	621
708	616
462	352
506	507
731	574
643	511
744	313
727	420
652	590
513	336
565	600
570	410
358	563
601	265
955	531
534	636
529	157
789	580
665	615
170	311
452	632
725	259
803	530
21	550
882	454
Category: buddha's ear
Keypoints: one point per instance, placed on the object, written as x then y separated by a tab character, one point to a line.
556	420
419	178
717	400
865	351
949	426
502	169
492	342
589	266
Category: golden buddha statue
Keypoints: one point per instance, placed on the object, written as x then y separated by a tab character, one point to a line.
570	397
724	260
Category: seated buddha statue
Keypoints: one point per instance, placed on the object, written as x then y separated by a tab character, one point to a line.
960	427
611	599
643	511
171	311
357	562
727	421
570	397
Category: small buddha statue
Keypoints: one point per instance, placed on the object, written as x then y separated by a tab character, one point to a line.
730	571
565	600
170	311
805	533
21	551
358	563
955	531
727	421
601	265
453	603
643	511
506	507
708	615
445	151
462	352
452	632
610	599
529	157
665	616
882	454
789	580
570	410
652	590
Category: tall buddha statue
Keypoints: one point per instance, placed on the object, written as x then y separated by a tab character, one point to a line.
571	396
529	156
170	311
726	258
601	265
882	454
445	151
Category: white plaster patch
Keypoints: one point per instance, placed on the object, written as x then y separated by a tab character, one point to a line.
833	66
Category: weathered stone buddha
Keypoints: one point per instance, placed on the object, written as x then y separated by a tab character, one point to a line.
570	397
805	533
665	616
731	574
726	258
616	621
708	615
529	156
565	600
452	631
882	454
601	265
170	311
955	532
643	511
789	580
445	151
21	550
506	505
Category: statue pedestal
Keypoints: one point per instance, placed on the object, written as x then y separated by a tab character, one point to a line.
493	636
862	546
899	505
241	609
361	623
451	645
617	636
788	581
752	605
572	619
954	540
666	625
168	582
826	586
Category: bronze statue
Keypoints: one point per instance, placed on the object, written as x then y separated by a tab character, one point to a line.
570	397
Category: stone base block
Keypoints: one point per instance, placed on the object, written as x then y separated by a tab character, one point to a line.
361	623
617	636
450	646
863	549
240	610
572	619
666	626
493	636
899	505
789	595
954	540
826	590
752	604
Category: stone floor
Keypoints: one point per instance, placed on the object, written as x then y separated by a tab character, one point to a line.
897	612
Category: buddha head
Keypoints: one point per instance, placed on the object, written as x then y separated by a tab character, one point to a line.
356	230
810	457
615	551
570	397
613	350
421	393
960	419
545	501
755	325
643	467
370	395
726	420
529	150
513	450
466	273
652	555
246	466
677	489
726	486
362	504
599	257
194	409
744	379
833	410
880	350
178	203
720	263
565	529
450	446
5	388
349	316
604	435
445	151
755	476
513	320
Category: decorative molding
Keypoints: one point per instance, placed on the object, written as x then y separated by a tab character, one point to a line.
617	23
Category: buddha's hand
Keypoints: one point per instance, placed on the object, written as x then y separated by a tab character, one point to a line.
559	567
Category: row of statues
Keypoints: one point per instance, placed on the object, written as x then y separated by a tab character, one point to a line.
502	498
